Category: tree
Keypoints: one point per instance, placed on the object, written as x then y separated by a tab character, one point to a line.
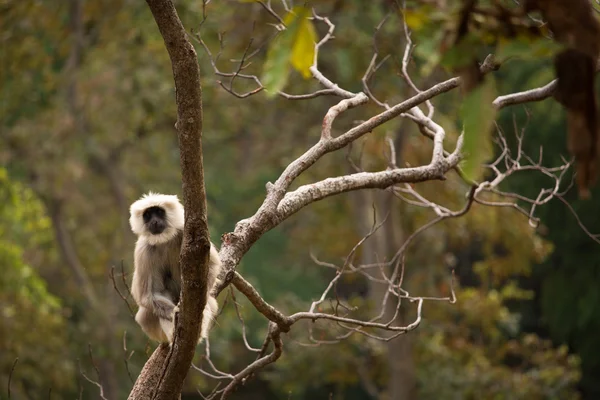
26	302
293	48
87	125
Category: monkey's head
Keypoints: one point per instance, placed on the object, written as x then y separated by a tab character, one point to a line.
157	217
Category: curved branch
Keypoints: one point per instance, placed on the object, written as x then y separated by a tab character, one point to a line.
304	195
258	364
248	231
527	96
260	304
365	324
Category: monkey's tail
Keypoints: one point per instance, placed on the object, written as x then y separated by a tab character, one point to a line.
208	316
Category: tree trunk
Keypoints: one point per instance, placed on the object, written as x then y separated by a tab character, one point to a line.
381	246
163	375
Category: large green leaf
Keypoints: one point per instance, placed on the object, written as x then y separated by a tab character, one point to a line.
478	116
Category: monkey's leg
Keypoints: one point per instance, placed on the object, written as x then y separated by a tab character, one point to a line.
167	329
150	324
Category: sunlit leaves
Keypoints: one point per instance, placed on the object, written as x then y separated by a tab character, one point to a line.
25	301
478	115
294	47
303	52
417	18
427	29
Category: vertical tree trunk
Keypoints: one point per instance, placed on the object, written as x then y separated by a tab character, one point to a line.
381	246
108	376
165	371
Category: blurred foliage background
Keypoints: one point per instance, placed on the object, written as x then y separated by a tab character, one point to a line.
87	125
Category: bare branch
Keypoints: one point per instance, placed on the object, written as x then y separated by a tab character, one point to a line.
271	12
376	226
281	201
96	383
262	306
241	319
318	93
527	96
112	277
314	316
304	195
594	237
10	375
126	357
258	364
337	110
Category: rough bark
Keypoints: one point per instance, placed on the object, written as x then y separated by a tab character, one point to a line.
174	362
151	374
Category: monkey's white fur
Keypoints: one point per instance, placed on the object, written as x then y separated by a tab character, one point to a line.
156	281
173	209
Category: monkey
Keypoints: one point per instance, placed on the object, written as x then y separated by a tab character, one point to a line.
157	219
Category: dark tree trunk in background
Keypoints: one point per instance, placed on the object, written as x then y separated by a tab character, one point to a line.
381	246
100	312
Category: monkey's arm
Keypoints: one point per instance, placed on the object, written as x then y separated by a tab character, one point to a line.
155	298
162	306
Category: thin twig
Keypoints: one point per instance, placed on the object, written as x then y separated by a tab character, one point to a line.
112	277
12	370
96	383
126	357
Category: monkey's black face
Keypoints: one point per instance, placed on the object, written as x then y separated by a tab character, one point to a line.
154	218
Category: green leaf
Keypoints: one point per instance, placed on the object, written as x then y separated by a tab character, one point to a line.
276	68
478	116
290	48
418	18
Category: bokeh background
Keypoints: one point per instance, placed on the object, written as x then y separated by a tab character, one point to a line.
87	125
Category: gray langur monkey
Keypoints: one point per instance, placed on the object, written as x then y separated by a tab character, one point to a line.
157	220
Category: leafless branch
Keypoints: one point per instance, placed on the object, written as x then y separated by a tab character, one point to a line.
112	277
527	96
348	261
281	201
124	278
10	375
271	12
241	319
258	364
127	357
594	236
96	383
261	305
